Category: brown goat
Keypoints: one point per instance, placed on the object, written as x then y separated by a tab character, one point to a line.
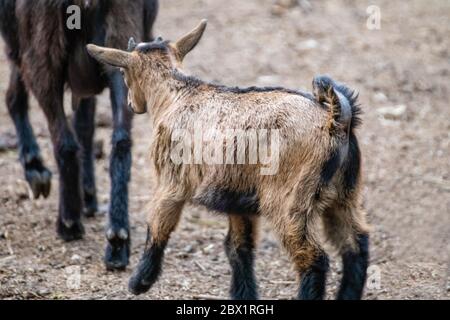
318	175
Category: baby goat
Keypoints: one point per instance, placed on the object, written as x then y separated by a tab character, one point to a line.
318	175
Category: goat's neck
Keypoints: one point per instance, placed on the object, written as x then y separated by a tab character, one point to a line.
163	94
159	99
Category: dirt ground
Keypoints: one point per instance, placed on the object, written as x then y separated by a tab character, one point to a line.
402	73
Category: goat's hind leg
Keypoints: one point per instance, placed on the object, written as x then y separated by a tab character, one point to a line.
162	222
297	233
239	247
84	125
49	94
36	174
347	230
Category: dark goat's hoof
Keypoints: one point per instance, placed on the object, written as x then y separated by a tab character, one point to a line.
147	271
245	292
116	257
39	180
90	205
117	250
138	286
89	211
70	230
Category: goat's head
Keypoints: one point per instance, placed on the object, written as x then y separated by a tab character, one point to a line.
145	66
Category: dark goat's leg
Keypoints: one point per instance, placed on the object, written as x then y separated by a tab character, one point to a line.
84	125
239	247
355	263
118	234
347	230
36	174
66	151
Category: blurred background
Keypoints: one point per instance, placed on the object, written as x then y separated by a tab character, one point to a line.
400	67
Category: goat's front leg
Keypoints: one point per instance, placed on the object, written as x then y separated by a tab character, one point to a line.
239	247
118	235
36	174
162	222
84	125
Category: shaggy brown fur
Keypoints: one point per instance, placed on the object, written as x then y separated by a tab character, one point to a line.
312	180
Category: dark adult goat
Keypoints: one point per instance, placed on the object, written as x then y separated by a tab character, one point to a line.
44	56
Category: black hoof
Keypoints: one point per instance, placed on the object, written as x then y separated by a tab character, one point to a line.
39	180
138	285
245	292
148	270
117	253
70	230
313	280
90	204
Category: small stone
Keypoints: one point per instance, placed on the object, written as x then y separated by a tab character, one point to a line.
75	258
307	44
392	113
103	209
188	249
43	292
380	97
208	249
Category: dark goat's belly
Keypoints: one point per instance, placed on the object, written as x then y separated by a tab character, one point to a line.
84	75
229	202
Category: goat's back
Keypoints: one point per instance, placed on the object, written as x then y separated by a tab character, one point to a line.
298	122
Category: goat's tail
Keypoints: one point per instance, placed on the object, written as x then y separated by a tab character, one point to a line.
9	28
342	103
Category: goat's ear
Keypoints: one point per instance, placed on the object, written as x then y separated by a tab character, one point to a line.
131	44
190	40
113	57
